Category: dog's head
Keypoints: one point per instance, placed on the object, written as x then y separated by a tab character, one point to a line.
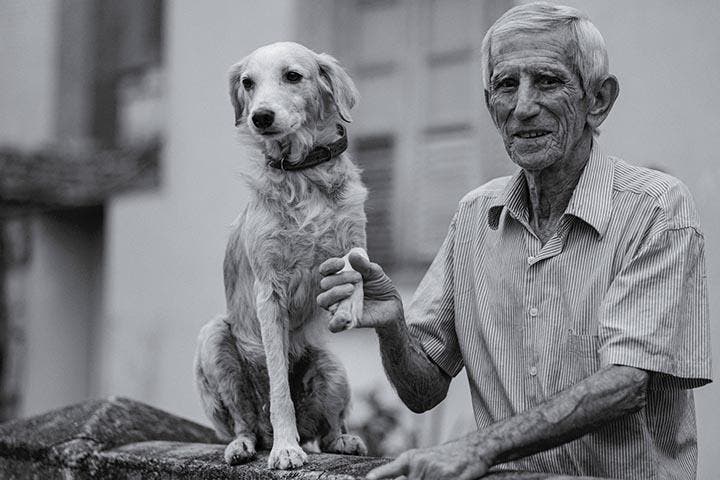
284	87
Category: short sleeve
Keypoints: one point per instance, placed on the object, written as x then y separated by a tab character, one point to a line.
431	315
655	313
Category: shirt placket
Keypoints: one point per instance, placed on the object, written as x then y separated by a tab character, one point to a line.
531	313
537	254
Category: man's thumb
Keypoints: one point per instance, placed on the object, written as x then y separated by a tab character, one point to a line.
362	265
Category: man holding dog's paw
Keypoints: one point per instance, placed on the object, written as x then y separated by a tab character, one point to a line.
573	292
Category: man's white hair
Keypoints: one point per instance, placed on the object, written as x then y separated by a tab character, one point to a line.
586	46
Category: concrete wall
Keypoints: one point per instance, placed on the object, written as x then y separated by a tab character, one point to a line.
52	297
28	33
164	256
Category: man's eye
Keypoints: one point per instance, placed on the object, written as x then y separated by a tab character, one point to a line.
247	83
293	77
505	83
548	81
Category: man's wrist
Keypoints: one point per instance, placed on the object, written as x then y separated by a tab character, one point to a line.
391	329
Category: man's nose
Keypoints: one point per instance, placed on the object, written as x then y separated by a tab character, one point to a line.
527	101
263	118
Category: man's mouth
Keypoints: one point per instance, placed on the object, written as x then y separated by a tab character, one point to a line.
531	134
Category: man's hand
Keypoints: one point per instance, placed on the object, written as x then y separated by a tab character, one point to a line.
382	304
607	395
453	460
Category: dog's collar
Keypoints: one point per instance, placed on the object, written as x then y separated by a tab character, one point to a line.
318	155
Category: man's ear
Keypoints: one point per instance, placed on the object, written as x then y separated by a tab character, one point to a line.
237	100
336	83
603	101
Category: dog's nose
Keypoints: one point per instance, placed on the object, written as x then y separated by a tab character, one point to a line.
263	118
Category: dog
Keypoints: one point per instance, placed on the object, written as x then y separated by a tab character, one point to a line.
264	377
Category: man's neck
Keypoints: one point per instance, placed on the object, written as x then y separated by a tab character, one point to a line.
550	189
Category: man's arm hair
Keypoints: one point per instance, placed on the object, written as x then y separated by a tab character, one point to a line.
609	394
420	383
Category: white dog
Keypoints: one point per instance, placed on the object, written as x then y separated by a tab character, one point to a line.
261	369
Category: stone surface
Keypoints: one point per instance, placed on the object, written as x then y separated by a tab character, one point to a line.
95	426
63	177
119	438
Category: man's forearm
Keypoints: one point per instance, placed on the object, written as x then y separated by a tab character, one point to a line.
420	383
609	394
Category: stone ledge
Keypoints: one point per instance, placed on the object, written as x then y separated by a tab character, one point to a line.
119	438
58	177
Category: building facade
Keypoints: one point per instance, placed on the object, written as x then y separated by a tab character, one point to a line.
110	297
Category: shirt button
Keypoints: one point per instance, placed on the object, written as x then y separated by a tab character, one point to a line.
530	260
533	312
533	371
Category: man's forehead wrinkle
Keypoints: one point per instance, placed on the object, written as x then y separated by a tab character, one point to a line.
537	65
554	47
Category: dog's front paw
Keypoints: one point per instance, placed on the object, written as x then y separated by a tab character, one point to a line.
346	444
349	312
240	450
286	456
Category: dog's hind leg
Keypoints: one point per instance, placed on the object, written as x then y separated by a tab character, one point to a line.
323	394
224	390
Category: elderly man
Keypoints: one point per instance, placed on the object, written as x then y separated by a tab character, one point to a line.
573	292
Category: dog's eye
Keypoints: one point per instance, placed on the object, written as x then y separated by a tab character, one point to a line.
293	77
247	83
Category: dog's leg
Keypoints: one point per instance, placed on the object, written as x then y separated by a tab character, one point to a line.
339	441
349	312
327	398
223	384
286	452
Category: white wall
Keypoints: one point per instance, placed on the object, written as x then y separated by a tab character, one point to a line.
165	249
28	36
62	305
50	294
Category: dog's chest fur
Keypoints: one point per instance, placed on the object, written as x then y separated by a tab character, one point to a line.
294	222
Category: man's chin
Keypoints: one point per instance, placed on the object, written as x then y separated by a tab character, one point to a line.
532	161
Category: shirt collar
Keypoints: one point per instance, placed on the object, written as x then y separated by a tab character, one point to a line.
590	202
514	197
592	199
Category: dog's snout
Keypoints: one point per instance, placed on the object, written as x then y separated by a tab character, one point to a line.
263	118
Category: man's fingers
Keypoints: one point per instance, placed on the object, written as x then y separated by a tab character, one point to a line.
362	265
331	266
349	276
335	295
394	469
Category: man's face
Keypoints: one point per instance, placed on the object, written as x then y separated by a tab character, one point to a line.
535	99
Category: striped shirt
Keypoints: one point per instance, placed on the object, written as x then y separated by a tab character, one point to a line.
622	281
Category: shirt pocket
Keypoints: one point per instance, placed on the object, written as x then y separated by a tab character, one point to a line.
580	359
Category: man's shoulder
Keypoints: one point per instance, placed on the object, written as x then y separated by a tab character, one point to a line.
487	192
667	193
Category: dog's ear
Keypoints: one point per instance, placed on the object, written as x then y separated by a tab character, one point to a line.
338	84
235	96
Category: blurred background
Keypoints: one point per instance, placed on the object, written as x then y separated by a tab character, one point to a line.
119	175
